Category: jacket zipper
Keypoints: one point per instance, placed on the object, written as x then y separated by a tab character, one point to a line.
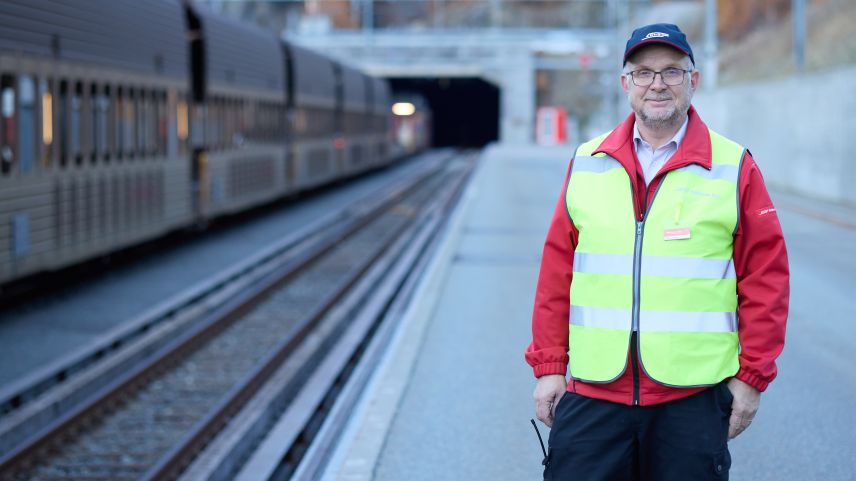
637	267
634	361
634	337
637	275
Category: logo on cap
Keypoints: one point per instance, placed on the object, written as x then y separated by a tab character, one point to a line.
655	35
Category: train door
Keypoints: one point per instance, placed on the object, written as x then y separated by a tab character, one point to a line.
288	122
200	177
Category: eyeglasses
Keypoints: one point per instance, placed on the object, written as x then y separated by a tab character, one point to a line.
670	76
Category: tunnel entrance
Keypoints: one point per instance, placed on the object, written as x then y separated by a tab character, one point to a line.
465	111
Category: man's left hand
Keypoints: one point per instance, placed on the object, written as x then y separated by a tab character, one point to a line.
743	408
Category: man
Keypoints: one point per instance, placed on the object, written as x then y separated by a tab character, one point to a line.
663	288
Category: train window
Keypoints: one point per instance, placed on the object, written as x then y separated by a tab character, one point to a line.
215	123
152	123
27	123
228	126
256	120
280	120
142	123
276	125
109	123
75	135
251	119
7	131
154	136
172	102
227	123
210	123
145	116
46	89
261	122
63	123
140	100
120	123
129	134
222	108
265	127
264	120
94	127
235	137
225	106
182	125
301	121
101	108
243	129
238	134
162	123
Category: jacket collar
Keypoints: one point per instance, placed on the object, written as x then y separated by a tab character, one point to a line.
694	149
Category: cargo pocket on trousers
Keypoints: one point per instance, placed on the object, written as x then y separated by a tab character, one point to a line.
725	397
721	464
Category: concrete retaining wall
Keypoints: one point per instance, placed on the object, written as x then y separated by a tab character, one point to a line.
798	129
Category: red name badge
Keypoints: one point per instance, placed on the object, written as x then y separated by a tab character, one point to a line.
677	233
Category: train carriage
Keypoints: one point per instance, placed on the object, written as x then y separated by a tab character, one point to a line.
317	133
240	151
94	129
357	110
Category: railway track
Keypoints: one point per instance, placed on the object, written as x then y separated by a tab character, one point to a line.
151	421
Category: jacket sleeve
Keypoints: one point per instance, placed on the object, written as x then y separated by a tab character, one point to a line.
548	351
761	264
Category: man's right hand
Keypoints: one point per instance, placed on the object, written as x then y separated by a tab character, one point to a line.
548	391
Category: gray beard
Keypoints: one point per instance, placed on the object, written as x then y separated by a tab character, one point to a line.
676	119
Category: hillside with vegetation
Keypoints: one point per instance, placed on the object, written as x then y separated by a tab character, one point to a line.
756	37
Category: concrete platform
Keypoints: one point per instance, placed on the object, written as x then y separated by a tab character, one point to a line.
453	398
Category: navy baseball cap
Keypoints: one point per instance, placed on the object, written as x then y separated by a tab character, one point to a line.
663	33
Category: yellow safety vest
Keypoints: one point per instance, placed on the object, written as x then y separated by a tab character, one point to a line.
670	277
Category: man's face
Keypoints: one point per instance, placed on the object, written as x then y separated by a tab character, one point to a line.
659	104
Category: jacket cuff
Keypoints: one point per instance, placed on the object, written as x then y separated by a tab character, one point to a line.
550	368
752	380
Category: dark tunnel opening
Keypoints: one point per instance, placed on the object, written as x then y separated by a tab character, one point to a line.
465	111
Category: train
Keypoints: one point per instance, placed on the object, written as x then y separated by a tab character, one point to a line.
411	121
123	121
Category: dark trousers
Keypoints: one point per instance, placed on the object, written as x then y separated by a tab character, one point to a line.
683	440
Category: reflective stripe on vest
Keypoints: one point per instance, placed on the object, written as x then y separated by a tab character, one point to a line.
606	318
661	266
679	292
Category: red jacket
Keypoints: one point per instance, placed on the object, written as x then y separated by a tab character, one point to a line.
760	261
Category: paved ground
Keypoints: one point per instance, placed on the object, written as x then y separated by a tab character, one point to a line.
805	428
465	401
38	333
